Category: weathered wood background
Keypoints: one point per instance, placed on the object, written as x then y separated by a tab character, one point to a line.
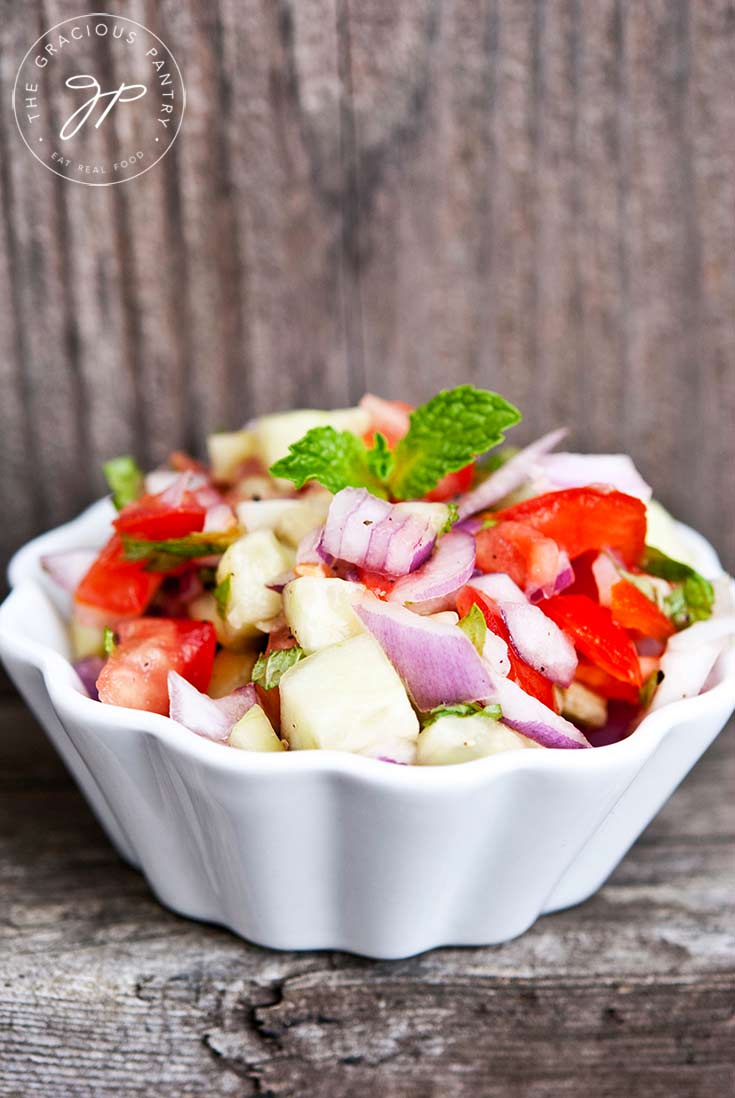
535	196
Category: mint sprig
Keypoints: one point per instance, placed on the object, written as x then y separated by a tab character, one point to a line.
444	435
463	709
337	459
269	670
692	597
124	479
163	556
474	626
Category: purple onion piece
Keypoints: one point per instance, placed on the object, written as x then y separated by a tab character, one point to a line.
68	568
564	578
88	670
436	661
449	568
509	476
530	717
212	718
394	539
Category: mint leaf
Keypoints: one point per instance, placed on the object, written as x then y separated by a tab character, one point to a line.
445	435
463	709
693	596
163	556
380	458
473	624
124	479
222	595
269	669
109	643
649	688
452	517
337	459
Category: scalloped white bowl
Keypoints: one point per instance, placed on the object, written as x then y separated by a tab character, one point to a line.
326	850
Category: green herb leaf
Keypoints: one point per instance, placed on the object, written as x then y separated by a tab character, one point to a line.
109	642
269	669
452	517
649	688
473	624
222	595
693	596
463	709
445	435
124	480
380	458
163	556
337	459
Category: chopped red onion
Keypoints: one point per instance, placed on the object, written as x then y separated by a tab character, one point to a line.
307	551
280	582
69	567
537	640
509	476
605	575
436	661
212	718
564	578
449	568
577	470
218	518
394	539
88	670
530	717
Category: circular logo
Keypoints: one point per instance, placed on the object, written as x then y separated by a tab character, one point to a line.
99	99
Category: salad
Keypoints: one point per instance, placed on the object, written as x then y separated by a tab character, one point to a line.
396	582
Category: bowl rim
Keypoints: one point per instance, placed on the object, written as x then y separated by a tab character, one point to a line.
63	686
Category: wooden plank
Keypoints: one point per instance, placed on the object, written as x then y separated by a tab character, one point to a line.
104	992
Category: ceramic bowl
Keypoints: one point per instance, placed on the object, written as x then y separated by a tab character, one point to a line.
327	850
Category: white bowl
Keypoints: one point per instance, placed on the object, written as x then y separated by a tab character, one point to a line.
326	850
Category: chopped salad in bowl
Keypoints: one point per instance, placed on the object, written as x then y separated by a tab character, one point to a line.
393	582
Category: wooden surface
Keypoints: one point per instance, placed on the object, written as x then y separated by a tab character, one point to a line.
102	992
533	195
536	196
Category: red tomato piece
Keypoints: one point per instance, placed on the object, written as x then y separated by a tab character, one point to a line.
527	556
633	610
152	518
589	674
453	484
136	673
389	417
120	587
579	519
376	582
527	677
596	635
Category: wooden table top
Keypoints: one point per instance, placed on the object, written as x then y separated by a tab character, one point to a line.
103	992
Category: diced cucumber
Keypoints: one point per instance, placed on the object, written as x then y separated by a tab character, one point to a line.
290	519
583	706
348	697
458	739
662	534
227	449
231	670
253	562
86	639
319	611
276	433
254	732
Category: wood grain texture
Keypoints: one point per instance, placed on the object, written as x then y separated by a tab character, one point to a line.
534	196
103	992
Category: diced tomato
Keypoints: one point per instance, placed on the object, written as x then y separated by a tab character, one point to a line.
136	673
527	677
589	674
453	484
527	556
633	610
389	417
380	585
579	519
152	518
120	587
584	578
596	635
